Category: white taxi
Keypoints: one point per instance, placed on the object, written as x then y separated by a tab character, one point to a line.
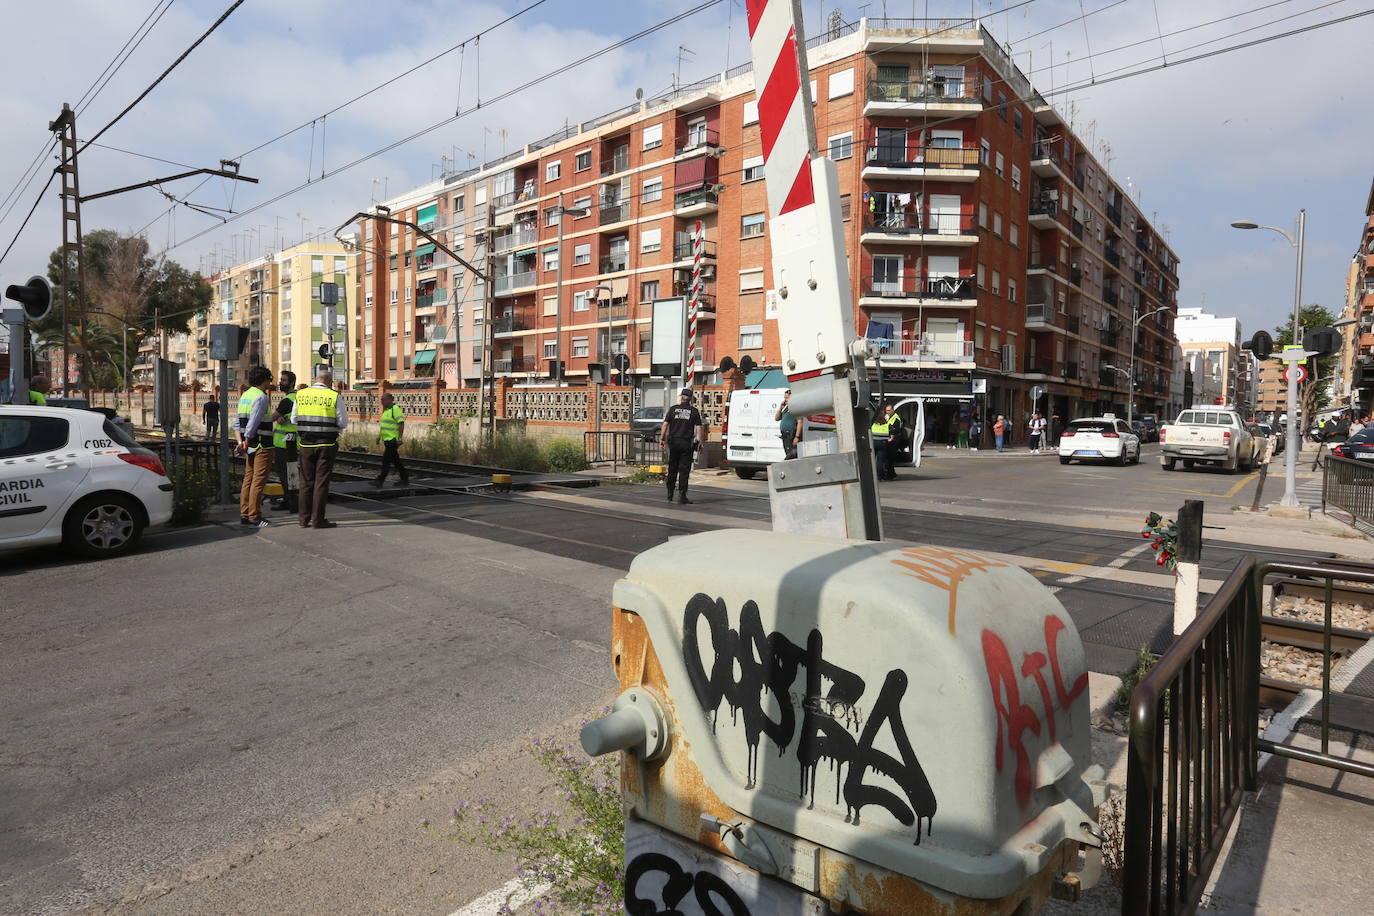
1099	439
74	477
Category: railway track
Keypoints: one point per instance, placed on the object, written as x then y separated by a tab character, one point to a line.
1300	634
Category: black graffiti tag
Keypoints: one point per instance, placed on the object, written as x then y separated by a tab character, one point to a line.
710	889
768	665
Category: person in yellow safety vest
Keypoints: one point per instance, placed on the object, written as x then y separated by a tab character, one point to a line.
284	442
37	386
253	428
391	431
884	431
320	416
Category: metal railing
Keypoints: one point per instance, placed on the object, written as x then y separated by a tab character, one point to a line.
904	223
952	89
695	197
1348	485
918	286
614	213
699	140
682	249
519	238
1194	743
927	349
614	263
897	156
622	446
509	282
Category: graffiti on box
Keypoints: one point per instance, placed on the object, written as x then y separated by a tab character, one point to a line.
1015	718
833	727
944	568
710	891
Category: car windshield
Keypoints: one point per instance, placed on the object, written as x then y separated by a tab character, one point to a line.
1091	426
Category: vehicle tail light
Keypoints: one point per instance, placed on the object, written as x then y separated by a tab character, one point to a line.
1164	431
1110	434
1066	434
1339	451
1226	436
147	462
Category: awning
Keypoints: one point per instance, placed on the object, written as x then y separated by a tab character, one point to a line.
766	378
427	214
423	250
689	174
423	357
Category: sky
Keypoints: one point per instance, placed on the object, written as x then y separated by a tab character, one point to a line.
1256	133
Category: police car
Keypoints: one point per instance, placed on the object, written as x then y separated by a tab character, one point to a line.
74	477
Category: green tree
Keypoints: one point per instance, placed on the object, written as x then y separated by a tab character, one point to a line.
1312	394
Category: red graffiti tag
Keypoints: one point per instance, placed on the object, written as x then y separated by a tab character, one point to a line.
1015	718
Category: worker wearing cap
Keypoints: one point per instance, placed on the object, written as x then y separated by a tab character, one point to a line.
284	442
320	416
37	386
253	429
681	434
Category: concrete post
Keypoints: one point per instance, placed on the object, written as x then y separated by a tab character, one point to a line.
1189	546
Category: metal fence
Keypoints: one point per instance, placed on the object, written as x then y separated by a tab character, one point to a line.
1348	485
1194	741
622	446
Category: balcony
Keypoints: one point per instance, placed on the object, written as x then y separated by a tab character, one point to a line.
700	142
1036	268
515	364
682	249
615	262
1039	316
425	301
916	290
1108	378
616	310
696	203
1039	365
887	160
502	201
1077	229
1071	370
901	227
1111	297
524	237
619	162
614	213
1113	257
928	349
704	358
936	95
1071	323
1107	337
1044	214
1048	161
1075	276
504	286
1114	214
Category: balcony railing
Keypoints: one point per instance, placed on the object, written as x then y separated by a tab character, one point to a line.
501	201
618	162
616	311
1039	365
1078	230
897	156
917	286
522	320
519	238
1071	370
612	263
682	249
1113	257
1108	378
1114	214
927	348
1076	276
516	364
704	356
898	222
1111	296
1072	324
693	198
1108	338
1045	207
934	89
1045	150
615	213
424	302
509	282
699	139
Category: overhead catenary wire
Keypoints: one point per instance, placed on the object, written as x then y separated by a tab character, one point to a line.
113	67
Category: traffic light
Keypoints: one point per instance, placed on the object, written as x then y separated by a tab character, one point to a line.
34	296
325	352
1324	341
1261	344
596	373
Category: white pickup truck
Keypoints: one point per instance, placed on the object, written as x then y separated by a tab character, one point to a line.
1208	435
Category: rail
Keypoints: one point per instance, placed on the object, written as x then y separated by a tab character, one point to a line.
1348	485
1194	741
622	446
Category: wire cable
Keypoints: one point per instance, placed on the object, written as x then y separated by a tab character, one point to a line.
36	202
88	98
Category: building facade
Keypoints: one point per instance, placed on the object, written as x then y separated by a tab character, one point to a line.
1357	368
986	243
1211	348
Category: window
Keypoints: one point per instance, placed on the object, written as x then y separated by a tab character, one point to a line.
550	305
982	277
551	216
1016	177
996	282
997	224
582	254
581	300
317	265
978	331
751	112
813	92
1001	165
1001	104
583	160
579	347
1017	122
984	152
550	258
752	225
844	206
31	435
646	342
1011	289
457	203
479	196
653	190
648	290
315	292
552	171
550	349
753	168
751	280
751	337
1015	235
582	203
650	239
946	139
407	293
841	146
367	265
653	136
841	83
983	215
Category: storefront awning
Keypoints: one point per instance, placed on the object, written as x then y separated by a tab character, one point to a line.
765	378
423	357
423	250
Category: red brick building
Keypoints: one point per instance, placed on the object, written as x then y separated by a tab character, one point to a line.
989	250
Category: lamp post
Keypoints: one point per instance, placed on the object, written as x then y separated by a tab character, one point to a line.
1294	441
561	211
593	292
1136	319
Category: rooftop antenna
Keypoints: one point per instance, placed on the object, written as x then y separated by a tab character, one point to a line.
836	22
677	75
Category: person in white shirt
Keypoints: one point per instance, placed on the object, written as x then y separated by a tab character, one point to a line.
1037	433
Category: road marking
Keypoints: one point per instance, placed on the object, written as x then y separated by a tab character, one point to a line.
1353	666
1126	556
510	896
1240	484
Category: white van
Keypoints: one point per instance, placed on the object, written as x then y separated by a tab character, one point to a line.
752	440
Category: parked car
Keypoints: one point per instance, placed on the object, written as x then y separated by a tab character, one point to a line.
1359	447
1208	435
1144	431
647	422
1099	439
76	478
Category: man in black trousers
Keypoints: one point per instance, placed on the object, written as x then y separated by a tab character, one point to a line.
681	434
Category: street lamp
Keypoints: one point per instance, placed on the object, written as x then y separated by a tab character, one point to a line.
593	293
1136	319
1290	481
561	211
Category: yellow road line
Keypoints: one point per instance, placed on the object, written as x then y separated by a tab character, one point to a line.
1241	483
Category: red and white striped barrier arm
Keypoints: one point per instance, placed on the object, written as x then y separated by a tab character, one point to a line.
785	122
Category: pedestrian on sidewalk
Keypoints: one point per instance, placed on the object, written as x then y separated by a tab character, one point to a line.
253	430
284	444
1056	430
391	432
1037	433
975	433
999	432
681	434
789	431
210	413
320	416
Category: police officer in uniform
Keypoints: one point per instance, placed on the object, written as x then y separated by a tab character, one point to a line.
681	434
253	427
885	429
319	417
284	442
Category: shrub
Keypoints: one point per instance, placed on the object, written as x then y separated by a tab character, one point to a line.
192	492
508	450
565	456
1144	661
579	852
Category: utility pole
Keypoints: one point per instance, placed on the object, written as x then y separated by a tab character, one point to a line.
73	264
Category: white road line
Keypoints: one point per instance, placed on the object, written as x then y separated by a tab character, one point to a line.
1353	666
511	895
1126	557
1284	723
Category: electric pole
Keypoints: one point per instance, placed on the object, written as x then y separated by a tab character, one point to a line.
73	264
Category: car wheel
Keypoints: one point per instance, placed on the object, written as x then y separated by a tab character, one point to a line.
1135	459
1121	459
746	473
1063	460
103	526
1167	464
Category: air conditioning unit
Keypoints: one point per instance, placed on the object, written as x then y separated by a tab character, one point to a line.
716	151
708	271
717	189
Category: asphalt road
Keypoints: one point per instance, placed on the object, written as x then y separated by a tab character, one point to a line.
226	715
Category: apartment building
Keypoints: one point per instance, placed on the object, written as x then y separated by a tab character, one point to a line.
1271	394
1358	369
277	297
1211	348
986	243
